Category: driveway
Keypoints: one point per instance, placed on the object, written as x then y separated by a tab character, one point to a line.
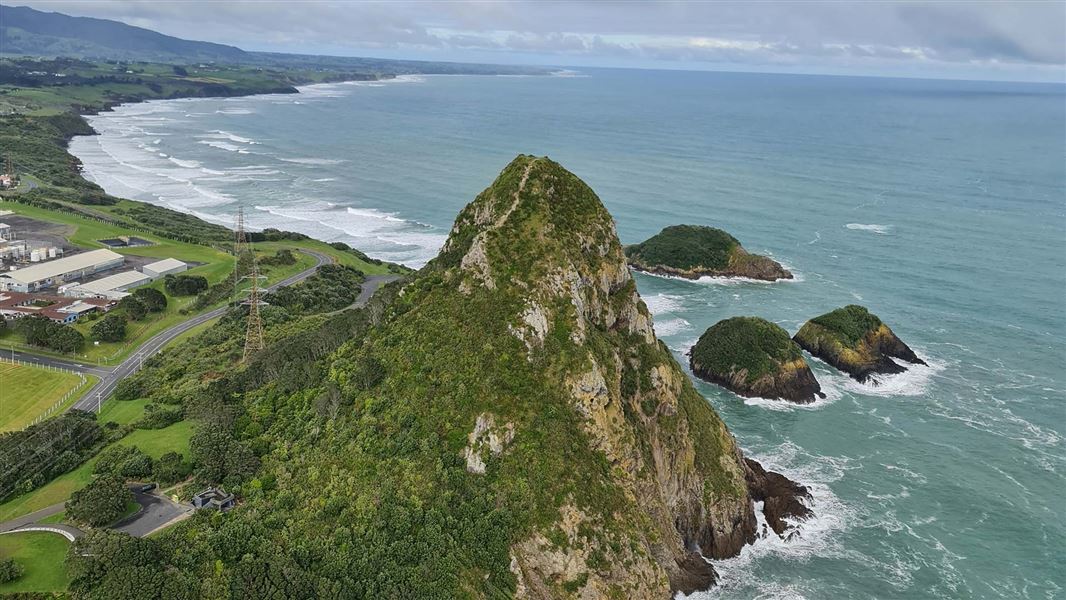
157	511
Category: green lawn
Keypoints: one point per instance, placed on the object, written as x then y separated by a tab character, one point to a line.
41	554
123	413
154	442
26	392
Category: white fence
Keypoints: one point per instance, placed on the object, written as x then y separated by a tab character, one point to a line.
58	405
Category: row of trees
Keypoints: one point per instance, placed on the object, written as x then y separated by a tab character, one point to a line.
34	456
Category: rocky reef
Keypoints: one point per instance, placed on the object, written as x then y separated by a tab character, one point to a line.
694	251
754	358
855	341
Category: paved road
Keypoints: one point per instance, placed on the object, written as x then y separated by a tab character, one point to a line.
111	376
95	396
31	518
157	511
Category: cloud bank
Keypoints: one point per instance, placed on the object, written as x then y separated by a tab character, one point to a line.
1024	40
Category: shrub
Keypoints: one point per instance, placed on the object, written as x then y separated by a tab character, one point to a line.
112	328
171	468
134	308
184	285
153	299
10	570
101	502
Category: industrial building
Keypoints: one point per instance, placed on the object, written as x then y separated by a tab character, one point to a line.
113	286
61	270
14	305
167	266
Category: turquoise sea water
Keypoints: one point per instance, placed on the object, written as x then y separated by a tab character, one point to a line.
940	205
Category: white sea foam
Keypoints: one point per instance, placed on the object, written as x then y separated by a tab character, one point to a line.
234	137
915	381
878	229
234	111
817	536
188	164
663	303
671	326
379	234
314	161
222	145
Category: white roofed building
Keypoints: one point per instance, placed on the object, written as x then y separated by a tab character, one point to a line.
56	272
167	266
112	286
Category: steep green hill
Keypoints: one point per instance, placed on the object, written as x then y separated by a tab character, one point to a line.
507	426
24	30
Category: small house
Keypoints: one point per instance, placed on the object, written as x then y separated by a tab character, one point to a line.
214	498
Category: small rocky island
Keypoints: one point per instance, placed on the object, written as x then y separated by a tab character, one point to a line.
694	251
856	342
754	357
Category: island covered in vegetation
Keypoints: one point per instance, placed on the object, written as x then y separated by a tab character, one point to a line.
855	341
754	358
694	251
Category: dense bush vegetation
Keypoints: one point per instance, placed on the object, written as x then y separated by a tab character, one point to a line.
101	502
281	258
184	285
39	331
685	247
170	468
126	461
332	287
153	299
36	455
112	328
745	343
132	307
10	570
849	324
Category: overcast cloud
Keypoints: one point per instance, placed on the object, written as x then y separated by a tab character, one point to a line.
1015	40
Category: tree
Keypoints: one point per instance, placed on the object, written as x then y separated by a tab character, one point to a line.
101	502
153	299
39	331
170	468
10	570
184	285
111	328
180	71
134	308
127	461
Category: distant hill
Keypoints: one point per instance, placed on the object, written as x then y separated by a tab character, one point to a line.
25	31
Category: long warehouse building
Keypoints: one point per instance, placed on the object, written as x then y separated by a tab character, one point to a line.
55	272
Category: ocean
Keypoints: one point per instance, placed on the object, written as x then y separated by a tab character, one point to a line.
940	205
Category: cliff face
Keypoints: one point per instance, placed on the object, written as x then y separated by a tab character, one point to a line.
856	342
537	300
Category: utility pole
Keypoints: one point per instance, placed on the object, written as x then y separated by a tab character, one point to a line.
240	247
253	340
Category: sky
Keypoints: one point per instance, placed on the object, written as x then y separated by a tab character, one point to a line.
970	40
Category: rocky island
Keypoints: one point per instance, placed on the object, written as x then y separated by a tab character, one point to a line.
694	251
856	342
754	358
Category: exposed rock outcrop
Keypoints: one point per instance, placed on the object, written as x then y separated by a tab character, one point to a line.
754	358
612	475
855	341
694	251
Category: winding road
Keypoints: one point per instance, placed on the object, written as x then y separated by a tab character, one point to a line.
109	377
